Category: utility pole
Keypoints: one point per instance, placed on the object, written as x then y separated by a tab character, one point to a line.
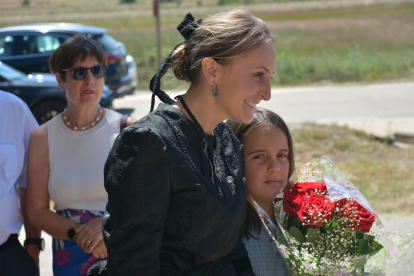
156	12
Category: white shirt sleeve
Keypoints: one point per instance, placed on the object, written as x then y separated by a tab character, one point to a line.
28	125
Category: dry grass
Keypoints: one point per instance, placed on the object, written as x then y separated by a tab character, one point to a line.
382	172
12	12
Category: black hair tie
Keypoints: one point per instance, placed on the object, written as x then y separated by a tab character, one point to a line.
186	28
188	25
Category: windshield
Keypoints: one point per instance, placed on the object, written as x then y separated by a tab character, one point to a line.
10	73
108	43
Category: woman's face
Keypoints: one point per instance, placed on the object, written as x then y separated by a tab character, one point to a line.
245	82
82	92
266	153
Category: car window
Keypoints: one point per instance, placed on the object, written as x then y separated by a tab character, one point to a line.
34	44
6	46
107	42
9	73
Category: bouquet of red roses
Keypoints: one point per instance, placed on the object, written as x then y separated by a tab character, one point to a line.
327	227
330	231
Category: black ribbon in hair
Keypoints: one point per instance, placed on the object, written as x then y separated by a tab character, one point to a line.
186	28
188	25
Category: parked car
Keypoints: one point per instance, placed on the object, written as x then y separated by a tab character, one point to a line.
28	48
40	92
133	72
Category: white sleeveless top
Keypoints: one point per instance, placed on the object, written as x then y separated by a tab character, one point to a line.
77	159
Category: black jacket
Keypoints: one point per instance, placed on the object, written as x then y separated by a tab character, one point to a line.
165	215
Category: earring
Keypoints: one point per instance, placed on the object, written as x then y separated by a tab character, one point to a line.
64	93
215	93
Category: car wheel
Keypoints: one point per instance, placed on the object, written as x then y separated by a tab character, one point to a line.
46	110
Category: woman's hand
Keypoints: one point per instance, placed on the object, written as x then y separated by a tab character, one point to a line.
90	234
99	251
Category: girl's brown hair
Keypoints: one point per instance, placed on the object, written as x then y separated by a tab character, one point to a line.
261	117
221	36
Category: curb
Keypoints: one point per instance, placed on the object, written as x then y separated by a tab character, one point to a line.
402	137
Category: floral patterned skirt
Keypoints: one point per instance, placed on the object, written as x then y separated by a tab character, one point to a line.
68	257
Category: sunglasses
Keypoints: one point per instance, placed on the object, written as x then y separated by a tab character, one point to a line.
79	73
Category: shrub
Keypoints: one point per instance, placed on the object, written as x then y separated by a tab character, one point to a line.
228	2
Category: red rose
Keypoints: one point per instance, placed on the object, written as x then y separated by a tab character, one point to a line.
291	202
315	210
361	219
293	198
340	205
309	187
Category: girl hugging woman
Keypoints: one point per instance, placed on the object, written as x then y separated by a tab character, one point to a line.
269	162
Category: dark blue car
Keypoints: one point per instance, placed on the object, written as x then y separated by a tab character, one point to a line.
40	92
28	48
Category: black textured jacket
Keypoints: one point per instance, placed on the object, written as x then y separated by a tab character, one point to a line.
164	215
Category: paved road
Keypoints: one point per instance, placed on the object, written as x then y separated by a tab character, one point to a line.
376	108
381	109
343	102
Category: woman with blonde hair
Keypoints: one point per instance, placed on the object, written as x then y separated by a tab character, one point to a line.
177	199
66	159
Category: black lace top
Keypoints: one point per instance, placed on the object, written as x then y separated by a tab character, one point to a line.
165	215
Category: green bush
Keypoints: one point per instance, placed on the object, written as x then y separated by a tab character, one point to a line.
229	2
342	65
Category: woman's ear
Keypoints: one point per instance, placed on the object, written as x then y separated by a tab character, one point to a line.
210	69
58	76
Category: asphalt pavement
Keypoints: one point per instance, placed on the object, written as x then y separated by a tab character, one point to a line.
381	109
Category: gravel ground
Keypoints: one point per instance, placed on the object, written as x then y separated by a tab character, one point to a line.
404	268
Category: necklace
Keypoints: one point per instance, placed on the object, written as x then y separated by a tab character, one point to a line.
94	122
218	168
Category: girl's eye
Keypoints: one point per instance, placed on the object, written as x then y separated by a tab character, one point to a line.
258	157
282	155
259	74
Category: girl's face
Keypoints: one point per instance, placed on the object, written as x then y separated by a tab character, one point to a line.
267	163
245	82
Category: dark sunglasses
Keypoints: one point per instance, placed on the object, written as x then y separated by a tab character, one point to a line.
79	73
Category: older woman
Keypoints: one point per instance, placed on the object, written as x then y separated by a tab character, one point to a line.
66	159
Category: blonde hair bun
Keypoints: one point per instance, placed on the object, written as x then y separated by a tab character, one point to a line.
180	62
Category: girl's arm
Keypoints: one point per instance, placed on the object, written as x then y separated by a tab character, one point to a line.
137	182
